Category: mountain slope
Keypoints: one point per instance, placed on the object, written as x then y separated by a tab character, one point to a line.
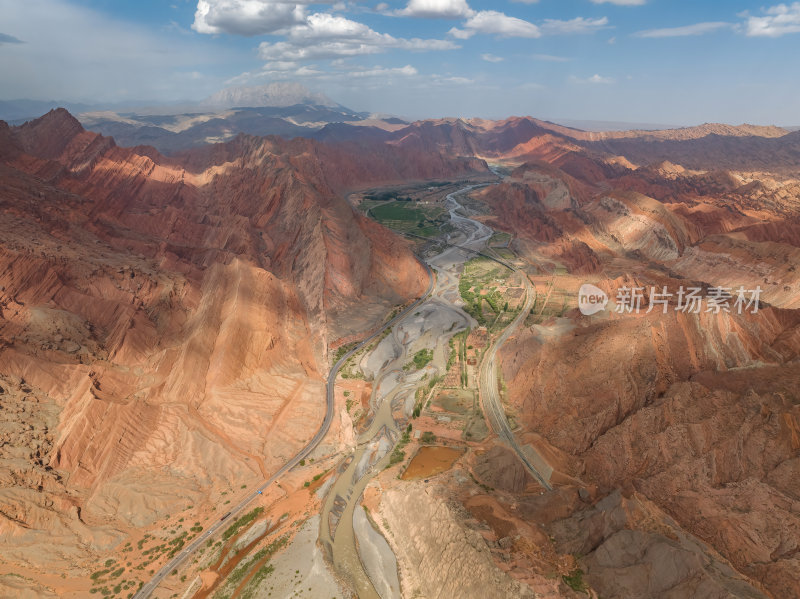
694	412
518	139
171	317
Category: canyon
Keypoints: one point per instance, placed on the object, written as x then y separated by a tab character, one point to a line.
168	323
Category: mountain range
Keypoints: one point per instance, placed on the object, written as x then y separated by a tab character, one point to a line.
172	300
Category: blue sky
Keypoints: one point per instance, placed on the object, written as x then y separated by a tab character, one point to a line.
645	61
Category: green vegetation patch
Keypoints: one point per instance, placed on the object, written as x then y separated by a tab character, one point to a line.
398	455
397	211
478	287
246	567
386	196
500	239
422	358
341	351
241	522
574	580
410	217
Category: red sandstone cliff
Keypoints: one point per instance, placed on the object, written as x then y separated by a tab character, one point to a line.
170	317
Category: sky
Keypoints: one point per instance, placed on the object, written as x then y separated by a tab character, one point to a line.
671	62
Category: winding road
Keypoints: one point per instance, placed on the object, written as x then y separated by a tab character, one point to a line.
148	588
490	395
487	379
474	235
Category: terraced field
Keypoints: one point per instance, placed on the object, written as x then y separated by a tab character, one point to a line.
408	217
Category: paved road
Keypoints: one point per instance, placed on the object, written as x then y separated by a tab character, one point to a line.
490	396
477	236
487	380
148	588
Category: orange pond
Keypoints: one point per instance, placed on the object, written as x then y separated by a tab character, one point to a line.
431	460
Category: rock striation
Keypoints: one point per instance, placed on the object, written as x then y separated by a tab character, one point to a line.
165	322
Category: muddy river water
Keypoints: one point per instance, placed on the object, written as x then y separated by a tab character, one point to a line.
369	565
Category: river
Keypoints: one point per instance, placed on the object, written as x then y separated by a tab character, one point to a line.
372	571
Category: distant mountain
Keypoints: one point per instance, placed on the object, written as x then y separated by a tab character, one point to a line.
276	95
678	134
285	109
520	139
610	125
292	110
710	146
24	109
173	132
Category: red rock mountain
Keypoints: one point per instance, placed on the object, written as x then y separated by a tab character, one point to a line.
165	324
708	147
167	320
696	413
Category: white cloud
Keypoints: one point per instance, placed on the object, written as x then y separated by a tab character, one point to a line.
777	21
288	51
307	36
596	79
495	23
576	25
324	26
440	80
406	71
289	70
246	17
325	36
492	58
306	71
437	9
686	30
342	70
621	2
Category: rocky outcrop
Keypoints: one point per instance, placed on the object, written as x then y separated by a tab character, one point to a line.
630	548
694	412
437	555
173	315
731	482
501	469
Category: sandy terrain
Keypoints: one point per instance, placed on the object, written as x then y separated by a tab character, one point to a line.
376	555
313	579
